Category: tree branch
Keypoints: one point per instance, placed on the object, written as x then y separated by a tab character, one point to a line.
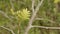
33	6
44	27
12	5
8	29
4	14
45	19
33	17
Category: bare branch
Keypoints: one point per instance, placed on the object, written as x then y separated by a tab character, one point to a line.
44	27
33	6
8	29
36	10
45	19
27	29
12	5
4	14
33	17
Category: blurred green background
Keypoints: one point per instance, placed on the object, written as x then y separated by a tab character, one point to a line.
49	10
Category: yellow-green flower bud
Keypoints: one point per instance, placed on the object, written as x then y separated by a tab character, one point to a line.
24	14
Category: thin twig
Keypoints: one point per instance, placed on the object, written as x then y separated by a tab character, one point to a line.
8	29
44	27
33	6
33	17
4	14
12	5
45	19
